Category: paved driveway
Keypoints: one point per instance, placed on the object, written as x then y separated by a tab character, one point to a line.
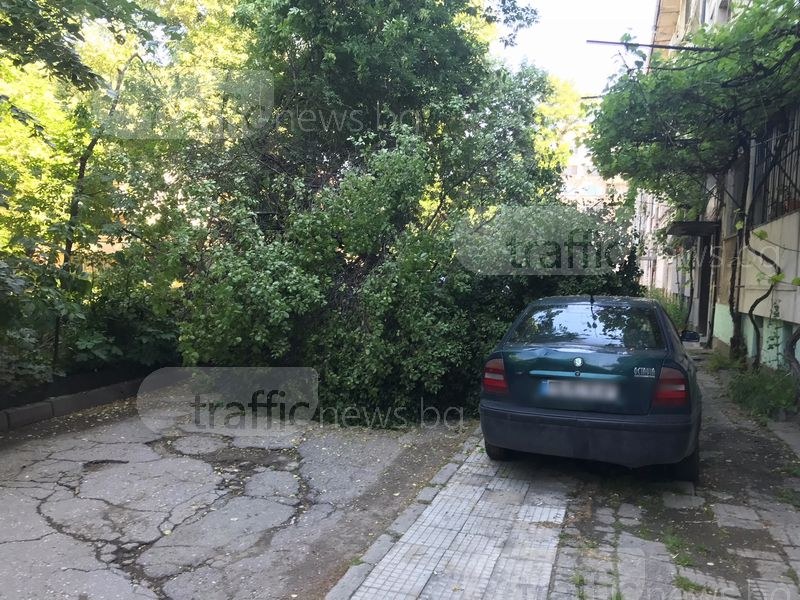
97	507
541	527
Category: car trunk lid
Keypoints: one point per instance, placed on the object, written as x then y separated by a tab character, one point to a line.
579	378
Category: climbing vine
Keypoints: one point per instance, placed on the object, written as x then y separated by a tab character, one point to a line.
671	122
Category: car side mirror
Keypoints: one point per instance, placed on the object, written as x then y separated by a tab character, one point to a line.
690	336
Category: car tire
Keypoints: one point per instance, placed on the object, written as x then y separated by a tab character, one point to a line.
496	452
689	468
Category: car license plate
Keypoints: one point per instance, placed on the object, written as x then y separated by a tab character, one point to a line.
580	390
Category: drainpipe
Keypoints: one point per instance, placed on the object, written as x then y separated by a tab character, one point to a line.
716	242
748	201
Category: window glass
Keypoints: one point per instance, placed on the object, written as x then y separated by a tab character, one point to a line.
593	325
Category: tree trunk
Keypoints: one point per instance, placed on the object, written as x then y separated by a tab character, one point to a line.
77	196
754	323
737	340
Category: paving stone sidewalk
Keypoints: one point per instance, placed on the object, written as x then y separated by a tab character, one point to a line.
492	531
737	535
547	528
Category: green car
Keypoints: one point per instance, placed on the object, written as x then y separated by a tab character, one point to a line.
598	378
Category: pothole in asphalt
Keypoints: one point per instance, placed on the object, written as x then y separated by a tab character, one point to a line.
96	465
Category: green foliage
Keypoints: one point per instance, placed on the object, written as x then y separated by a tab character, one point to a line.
326	242
763	393
46	32
772	343
23	359
676	310
244	307
199	261
22	362
678	547
94	347
687	585
792	498
667	124
719	361
563	116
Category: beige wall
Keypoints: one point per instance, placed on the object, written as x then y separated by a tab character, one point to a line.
781	244
675	19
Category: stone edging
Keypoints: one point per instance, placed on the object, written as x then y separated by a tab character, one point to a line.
20	416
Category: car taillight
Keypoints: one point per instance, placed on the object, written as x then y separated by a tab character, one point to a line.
672	390
494	377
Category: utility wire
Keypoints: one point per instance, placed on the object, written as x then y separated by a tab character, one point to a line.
629	45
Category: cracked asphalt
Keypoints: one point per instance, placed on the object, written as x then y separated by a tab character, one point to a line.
98	507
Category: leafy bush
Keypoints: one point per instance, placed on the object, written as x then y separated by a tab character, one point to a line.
23	357
22	360
136	325
719	361
244	308
676	310
763	393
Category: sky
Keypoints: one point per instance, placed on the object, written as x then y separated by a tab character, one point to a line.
557	43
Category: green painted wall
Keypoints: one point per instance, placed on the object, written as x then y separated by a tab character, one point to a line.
774	334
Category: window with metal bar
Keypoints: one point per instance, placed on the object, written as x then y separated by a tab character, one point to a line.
776	177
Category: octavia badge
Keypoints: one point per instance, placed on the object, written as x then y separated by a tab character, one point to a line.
649	372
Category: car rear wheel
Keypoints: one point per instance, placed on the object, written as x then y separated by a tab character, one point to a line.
496	452
689	468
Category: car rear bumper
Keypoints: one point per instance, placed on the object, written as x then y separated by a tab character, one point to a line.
629	440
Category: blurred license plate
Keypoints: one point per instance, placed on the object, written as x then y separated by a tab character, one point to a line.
580	390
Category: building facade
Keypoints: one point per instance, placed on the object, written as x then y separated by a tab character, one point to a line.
710	267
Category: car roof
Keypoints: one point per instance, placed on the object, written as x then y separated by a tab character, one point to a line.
631	301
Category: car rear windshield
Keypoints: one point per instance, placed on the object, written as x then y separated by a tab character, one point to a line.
590	324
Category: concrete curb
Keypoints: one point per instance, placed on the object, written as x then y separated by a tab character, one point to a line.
21	416
357	574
